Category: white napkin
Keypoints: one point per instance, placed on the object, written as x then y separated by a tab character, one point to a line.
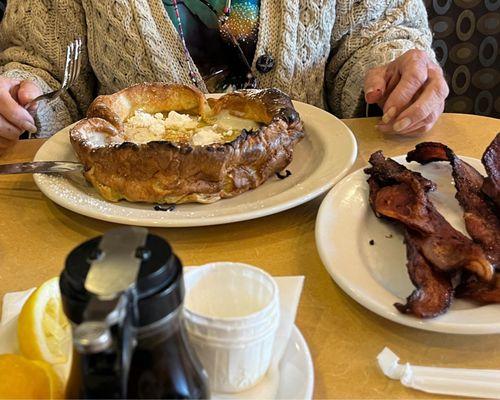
477	383
12	304
290	289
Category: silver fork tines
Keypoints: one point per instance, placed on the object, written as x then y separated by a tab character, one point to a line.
72	70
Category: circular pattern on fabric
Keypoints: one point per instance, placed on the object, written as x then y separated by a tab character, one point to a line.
486	78
489	24
441	51
497	105
484	103
442	27
488	51
492	5
466	25
466	43
441	6
461	80
460	104
467	3
463	53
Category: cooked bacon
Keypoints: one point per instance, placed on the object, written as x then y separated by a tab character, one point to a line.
480	214
491	162
402	196
411	211
389	171
483	292
434	291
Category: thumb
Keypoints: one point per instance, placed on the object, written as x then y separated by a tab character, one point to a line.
375	84
28	91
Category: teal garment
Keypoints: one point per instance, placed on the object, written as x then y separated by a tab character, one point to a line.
198	8
220	59
244	14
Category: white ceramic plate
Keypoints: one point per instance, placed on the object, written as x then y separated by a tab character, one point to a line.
320	160
296	369
294	380
376	275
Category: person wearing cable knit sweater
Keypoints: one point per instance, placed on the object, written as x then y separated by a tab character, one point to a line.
334	54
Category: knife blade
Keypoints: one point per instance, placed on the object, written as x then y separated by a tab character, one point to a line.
40	167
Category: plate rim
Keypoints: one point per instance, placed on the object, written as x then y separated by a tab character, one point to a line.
213	220
372	304
297	337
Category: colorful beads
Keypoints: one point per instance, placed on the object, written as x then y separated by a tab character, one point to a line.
243	22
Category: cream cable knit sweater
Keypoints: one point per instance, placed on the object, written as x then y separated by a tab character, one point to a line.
320	46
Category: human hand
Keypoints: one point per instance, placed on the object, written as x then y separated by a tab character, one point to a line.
411	91
14	118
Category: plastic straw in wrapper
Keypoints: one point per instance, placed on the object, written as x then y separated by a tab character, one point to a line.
478	383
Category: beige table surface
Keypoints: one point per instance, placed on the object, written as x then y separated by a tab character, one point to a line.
344	338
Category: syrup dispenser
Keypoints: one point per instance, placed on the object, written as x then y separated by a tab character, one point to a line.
123	293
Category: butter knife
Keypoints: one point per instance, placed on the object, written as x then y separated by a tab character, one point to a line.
40	167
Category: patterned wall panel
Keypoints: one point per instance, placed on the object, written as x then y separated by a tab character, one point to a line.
466	41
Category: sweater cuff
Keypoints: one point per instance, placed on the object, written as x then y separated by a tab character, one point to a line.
49	118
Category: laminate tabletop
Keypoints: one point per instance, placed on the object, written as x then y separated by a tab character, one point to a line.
344	338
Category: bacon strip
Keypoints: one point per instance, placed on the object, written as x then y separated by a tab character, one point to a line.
434	292
434	248
386	172
491	162
482	292
404	198
480	215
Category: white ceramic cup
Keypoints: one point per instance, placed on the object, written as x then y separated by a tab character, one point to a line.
232	314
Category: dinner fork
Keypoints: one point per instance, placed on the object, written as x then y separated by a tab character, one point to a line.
72	70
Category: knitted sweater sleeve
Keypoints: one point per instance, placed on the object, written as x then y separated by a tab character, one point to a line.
33	38
366	34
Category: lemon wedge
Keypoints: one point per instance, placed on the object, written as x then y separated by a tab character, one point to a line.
43	330
22	378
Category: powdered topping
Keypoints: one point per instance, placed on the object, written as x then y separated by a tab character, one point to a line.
143	127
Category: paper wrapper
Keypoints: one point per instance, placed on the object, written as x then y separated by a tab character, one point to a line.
290	289
477	383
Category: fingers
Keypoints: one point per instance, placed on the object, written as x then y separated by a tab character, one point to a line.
430	103
375	84
14	119
8	131
422	127
28	91
15	113
392	76
415	94
413	77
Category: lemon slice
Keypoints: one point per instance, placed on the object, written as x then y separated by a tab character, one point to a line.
22	378
43	330
55	384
